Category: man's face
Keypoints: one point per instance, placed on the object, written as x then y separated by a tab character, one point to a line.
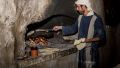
80	8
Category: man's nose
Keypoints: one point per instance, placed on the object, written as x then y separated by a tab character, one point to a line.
77	8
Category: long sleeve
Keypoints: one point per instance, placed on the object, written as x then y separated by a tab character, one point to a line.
100	31
68	30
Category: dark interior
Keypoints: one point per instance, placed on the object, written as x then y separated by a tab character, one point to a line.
112	12
44	28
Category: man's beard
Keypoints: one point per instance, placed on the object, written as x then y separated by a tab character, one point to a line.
80	12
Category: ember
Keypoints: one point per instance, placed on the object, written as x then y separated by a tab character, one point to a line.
38	41
32	46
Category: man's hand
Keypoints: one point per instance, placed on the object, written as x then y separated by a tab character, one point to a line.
56	28
82	40
80	44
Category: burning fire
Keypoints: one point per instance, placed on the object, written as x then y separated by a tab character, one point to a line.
38	41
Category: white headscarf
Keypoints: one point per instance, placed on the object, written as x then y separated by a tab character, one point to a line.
84	2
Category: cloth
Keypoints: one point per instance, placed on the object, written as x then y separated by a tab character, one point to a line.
79	44
67	30
84	2
99	31
90	13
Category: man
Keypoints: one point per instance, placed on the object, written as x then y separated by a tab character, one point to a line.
90	30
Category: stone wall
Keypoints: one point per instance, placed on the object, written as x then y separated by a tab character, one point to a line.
98	7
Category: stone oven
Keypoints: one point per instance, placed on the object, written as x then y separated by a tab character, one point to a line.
49	44
41	33
35	27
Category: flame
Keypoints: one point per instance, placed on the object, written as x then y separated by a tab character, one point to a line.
38	41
